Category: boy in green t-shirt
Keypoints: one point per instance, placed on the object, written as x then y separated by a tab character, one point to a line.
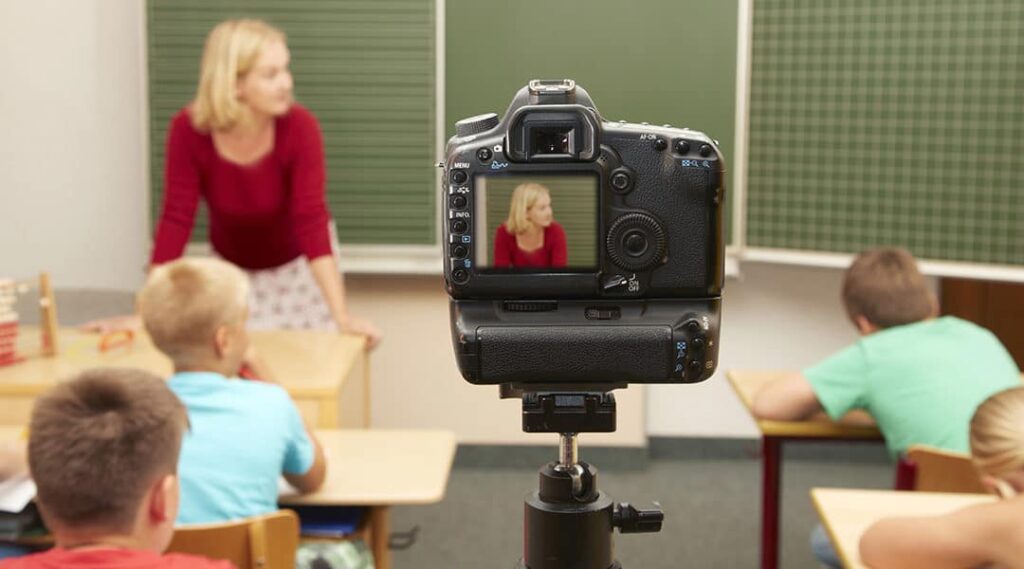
920	376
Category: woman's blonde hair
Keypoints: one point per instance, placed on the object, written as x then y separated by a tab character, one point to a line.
231	51
523	198
997	433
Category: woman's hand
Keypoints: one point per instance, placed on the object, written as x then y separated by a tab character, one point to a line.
113	324
356	325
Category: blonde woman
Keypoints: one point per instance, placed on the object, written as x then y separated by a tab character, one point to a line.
255	158
985	535
530	237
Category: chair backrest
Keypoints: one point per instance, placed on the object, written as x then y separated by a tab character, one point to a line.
936	470
264	542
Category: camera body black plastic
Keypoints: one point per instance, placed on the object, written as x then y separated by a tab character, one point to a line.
649	311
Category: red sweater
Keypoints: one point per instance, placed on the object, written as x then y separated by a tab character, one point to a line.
550	255
261	215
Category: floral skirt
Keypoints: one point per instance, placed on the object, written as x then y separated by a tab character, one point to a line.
287	297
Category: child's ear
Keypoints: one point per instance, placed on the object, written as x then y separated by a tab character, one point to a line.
990	483
163	499
221	340
864	326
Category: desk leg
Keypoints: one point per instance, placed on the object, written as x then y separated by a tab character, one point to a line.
366	390
771	456
380	531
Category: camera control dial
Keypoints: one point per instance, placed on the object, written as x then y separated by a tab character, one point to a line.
636	242
476	125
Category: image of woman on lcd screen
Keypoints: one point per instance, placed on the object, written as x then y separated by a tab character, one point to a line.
530	237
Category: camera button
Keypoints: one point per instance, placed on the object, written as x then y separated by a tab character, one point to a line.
695	367
636	244
705	150
660	144
682	147
460	251
459	176
621	181
459	201
459	226
484	154
460	275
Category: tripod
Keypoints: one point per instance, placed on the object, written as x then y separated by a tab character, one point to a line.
568	522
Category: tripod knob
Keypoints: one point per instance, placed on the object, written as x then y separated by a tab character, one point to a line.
631	520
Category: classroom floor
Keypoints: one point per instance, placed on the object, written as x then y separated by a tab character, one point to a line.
709	490
711	504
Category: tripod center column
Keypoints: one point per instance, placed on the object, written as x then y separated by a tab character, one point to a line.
568	450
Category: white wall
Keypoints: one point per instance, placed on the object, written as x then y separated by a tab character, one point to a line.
72	142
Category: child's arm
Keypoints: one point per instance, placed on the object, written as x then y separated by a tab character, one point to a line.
790	398
313	478
255	367
970	537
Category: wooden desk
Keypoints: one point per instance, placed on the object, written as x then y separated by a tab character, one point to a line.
327	374
773	433
846	514
382	468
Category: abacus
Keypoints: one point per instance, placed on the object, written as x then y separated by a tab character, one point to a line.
10	291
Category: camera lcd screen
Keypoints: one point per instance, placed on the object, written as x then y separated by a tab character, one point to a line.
536	223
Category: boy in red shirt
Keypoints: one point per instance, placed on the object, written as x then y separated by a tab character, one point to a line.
103	451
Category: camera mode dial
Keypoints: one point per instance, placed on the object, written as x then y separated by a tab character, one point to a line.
636	242
476	125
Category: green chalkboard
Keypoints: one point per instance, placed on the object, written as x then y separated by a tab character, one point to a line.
657	61
875	122
366	68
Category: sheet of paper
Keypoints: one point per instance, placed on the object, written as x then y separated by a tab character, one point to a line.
16	492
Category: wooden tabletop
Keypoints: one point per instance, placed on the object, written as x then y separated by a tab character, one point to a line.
306	362
382	467
846	514
369	467
746	383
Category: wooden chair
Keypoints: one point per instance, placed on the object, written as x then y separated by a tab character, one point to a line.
264	542
928	469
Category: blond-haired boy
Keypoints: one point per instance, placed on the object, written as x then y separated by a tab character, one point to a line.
244	434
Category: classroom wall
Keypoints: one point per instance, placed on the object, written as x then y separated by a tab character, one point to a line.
73	188
72	148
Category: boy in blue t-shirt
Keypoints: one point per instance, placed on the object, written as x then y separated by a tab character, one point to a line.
243	434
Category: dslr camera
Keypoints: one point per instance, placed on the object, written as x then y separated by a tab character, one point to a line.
581	254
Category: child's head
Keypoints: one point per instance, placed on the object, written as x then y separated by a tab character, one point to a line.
883	288
195	312
997	441
103	451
